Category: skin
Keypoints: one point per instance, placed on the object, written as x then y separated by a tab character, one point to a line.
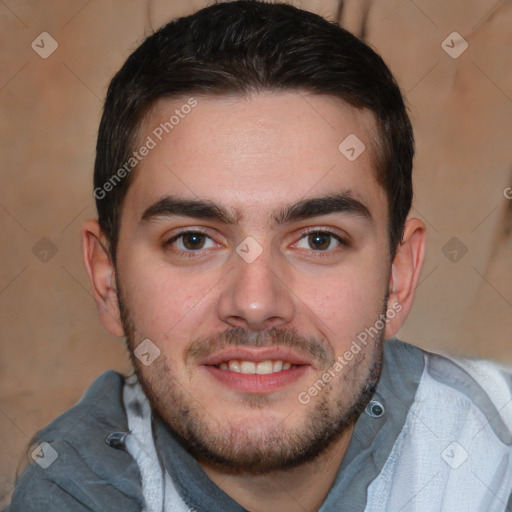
254	156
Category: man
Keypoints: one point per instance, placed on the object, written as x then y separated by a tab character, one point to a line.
253	181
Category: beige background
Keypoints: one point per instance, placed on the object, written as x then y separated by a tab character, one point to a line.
52	344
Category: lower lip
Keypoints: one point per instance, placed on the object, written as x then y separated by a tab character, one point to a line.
254	383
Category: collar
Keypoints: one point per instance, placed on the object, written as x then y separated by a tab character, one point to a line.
375	433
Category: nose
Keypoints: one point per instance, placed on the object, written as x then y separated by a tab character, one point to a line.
256	294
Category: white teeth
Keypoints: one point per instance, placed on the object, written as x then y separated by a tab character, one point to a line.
264	367
234	366
278	366
250	367
247	367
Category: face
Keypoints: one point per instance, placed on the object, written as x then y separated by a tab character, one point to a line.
252	253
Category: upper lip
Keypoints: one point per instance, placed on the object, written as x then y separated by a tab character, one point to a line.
256	354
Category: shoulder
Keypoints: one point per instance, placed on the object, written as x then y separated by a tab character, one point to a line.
455	446
70	465
478	385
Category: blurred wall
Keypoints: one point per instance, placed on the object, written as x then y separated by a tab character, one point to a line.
460	101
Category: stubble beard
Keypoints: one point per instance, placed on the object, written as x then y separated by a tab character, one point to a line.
258	449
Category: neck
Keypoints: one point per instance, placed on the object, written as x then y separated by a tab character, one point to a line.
303	488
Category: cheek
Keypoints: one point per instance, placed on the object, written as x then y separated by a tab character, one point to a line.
347	301
163	303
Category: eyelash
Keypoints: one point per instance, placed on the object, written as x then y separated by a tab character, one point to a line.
304	232
325	253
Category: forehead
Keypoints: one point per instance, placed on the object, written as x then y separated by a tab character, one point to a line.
254	153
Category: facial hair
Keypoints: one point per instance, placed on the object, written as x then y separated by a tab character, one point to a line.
259	449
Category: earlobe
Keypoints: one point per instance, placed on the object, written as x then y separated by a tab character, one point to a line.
405	272
101	274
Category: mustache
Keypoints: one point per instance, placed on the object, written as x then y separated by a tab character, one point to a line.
239	337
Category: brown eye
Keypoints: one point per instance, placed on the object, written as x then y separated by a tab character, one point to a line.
193	240
320	240
189	243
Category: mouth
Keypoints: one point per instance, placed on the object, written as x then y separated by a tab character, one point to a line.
257	371
255	368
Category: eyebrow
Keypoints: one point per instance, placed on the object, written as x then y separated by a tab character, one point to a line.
341	203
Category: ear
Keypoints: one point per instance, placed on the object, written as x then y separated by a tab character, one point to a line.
405	272
101	276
